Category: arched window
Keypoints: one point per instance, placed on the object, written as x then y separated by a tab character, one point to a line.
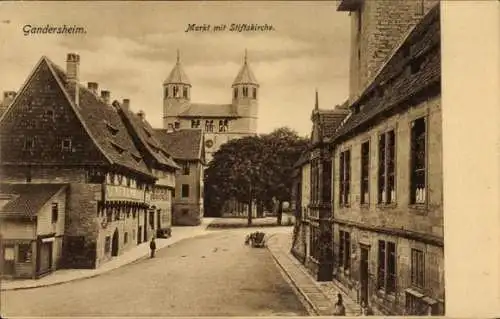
185	93
235	93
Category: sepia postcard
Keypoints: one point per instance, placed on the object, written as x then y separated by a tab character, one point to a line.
249	158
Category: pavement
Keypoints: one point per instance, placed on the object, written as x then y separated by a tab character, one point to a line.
134	254
320	297
241	222
212	275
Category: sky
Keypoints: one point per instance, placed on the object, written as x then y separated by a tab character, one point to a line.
129	48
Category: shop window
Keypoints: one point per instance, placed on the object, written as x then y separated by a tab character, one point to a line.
24	253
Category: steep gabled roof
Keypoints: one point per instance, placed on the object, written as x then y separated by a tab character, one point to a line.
104	125
26	200
177	75
395	83
183	144
209	110
148	138
245	75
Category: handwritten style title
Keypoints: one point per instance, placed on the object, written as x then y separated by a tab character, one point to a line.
233	27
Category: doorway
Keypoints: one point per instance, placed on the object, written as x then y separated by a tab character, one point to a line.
114	243
8	260
363	272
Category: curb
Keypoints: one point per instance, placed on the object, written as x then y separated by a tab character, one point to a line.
226	226
311	308
141	258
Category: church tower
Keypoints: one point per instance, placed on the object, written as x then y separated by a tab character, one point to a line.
176	95
245	98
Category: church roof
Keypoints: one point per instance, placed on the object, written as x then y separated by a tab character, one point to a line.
209	110
177	75
245	76
184	144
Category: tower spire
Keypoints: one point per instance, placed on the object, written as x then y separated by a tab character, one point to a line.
178	56
316	103
246	56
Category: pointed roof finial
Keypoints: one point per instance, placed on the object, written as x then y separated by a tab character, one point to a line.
246	55
316	104
178	56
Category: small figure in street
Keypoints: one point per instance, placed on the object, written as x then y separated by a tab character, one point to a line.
365	309
152	246
339	307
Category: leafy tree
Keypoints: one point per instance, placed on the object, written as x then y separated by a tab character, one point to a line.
254	169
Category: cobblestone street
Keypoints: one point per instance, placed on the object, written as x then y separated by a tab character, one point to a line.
211	275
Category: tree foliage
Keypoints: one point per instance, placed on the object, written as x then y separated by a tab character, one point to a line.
255	168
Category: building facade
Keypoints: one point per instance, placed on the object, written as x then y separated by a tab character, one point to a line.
385	164
219	122
57	130
188	150
388	213
32	220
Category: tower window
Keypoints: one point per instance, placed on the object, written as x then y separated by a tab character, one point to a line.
254	93
185	93
245	91
176	91
177	125
235	93
166	92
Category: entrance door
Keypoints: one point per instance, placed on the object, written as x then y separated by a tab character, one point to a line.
114	243
139	234
8	260
45	258
363	271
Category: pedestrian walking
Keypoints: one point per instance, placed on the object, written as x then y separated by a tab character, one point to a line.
366	310
339	307
152	246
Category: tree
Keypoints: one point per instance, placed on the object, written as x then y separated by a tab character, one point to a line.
234	172
284	147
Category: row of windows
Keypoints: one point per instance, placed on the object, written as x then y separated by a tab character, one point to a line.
245	92
386	263
176	92
209	125
386	170
29	144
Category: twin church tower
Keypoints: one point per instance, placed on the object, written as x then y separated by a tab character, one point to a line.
219	122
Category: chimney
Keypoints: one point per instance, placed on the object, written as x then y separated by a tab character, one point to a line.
73	66
126	104
8	97
105	95
141	115
72	73
93	87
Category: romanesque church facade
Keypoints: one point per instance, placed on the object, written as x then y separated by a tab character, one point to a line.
220	123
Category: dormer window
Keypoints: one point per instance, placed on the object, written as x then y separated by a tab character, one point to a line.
209	126
113	130
66	145
118	148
